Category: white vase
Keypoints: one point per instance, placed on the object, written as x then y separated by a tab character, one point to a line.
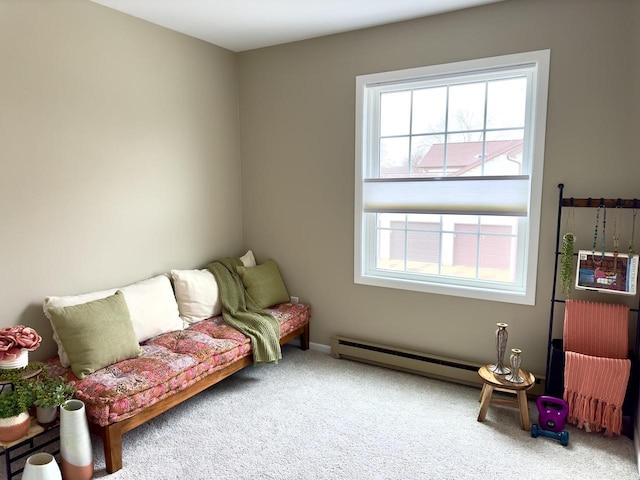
41	466
76	453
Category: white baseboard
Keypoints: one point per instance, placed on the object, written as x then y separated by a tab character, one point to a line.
318	347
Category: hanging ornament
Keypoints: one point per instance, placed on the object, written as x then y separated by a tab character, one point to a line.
566	259
595	234
604	232
616	239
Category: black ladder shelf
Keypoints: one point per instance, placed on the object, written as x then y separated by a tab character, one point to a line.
632	390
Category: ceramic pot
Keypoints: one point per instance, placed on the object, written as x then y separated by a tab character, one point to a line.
19	362
41	466
14	428
501	347
516	361
76	453
46	414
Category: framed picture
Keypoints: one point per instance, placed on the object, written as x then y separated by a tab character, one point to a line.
609	273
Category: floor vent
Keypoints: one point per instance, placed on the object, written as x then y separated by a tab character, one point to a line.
435	366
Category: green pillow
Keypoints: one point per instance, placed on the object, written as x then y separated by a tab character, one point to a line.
96	334
264	284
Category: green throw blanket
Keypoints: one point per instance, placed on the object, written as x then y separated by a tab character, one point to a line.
241	312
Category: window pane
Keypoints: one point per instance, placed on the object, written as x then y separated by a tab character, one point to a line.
395	113
394	157
423	244
424	222
510	134
487	223
498	244
503	152
495	258
506	101
466	107
429	110
464	154
464	256
391	242
427	156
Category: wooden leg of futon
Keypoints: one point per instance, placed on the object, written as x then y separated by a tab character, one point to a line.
304	338
112	442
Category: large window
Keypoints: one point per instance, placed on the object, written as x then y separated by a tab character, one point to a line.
449	177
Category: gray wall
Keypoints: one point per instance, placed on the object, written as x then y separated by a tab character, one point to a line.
297	136
119	153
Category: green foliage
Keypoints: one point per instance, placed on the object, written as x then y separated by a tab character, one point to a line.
20	393
51	391
566	264
7	374
17	400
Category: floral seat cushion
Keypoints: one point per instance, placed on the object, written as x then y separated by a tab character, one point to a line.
169	363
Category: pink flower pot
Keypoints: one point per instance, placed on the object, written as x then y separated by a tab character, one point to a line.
14	428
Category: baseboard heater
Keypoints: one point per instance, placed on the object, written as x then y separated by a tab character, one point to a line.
429	365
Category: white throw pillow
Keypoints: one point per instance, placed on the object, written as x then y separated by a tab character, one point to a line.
151	303
248	260
197	294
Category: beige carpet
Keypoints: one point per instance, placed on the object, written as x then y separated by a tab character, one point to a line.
315	417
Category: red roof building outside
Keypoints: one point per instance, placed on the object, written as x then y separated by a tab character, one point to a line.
464	157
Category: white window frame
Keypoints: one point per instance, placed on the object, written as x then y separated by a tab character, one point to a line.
537	63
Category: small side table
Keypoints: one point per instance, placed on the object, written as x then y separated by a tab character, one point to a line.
494	382
33	443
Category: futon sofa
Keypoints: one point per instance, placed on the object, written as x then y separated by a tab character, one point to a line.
183	345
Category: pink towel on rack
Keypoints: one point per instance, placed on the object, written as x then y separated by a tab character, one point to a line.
594	388
598	329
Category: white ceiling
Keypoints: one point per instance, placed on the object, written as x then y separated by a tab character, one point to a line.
241	25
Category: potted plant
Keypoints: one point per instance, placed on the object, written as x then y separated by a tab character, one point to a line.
16	342
566	263
49	393
15	401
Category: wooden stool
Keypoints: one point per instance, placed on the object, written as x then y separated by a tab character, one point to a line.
494	382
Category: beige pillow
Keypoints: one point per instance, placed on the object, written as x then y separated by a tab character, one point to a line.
151	302
197	294
96	334
264	284
248	259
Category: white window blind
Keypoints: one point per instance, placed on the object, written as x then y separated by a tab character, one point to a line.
455	195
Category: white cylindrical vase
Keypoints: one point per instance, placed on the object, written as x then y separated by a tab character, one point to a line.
76	453
41	466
